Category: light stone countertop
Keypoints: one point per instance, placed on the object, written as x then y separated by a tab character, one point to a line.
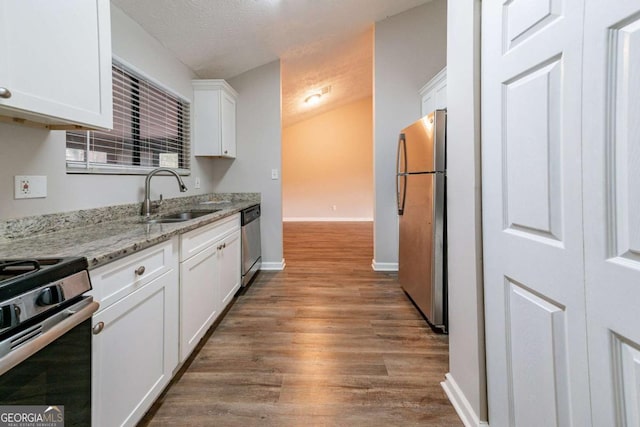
112	238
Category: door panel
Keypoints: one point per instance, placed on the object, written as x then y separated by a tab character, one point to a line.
612	208
532	213
538	343
626	153
532	103
626	358
524	19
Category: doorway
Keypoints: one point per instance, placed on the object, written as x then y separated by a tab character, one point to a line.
327	141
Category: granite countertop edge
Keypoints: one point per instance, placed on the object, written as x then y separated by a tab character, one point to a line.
108	241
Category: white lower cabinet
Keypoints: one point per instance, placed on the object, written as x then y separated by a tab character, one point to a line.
199	296
135	341
230	268
155	306
209	278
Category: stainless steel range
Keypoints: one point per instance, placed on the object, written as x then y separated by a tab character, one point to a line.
45	335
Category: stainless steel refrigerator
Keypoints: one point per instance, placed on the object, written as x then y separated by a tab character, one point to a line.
421	187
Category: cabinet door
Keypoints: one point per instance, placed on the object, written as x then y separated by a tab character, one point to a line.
206	115
134	354
56	61
230	268
199	298
441	95
228	125
428	103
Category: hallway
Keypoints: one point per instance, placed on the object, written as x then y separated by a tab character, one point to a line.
326	342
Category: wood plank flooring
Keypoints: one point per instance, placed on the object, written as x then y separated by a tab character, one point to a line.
326	342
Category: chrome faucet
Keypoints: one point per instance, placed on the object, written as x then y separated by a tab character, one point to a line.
146	205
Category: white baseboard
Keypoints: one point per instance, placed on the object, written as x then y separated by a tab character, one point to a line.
384	266
325	219
273	266
460	403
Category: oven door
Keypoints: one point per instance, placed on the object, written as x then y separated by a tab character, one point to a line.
54	368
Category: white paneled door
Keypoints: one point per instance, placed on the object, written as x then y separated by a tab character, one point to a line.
611	168
561	201
536	333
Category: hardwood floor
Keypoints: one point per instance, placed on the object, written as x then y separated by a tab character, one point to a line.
326	342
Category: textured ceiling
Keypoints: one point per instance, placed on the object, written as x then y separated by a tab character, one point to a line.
320	42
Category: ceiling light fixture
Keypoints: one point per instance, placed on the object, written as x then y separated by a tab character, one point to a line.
313	99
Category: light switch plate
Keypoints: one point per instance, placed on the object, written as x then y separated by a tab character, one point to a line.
274	173
30	186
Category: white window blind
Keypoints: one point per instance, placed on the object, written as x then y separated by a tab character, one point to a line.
150	129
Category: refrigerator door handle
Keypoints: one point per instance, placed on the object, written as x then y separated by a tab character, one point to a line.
401	173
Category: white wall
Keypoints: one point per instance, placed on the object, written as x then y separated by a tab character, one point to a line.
259	151
327	162
410	48
27	151
466	381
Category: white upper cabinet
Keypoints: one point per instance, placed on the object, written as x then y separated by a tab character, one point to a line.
56	63
214	118
434	93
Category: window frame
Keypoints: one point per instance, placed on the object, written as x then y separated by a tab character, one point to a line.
88	167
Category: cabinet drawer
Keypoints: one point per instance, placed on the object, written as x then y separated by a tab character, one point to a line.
119	278
199	239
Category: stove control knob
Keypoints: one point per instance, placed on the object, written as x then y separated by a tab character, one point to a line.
50	296
9	316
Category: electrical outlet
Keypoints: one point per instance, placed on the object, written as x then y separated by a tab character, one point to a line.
30	186
196	184
334	207
274	173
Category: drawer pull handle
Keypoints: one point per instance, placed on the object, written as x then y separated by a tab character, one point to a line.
224	245
98	328
140	270
5	93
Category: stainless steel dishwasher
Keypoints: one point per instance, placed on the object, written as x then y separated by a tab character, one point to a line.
251	249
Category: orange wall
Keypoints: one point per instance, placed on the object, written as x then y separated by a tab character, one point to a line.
328	161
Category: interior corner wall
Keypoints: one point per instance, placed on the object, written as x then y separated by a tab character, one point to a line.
259	151
409	49
31	151
466	381
327	165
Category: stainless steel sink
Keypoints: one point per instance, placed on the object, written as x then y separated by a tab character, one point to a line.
181	216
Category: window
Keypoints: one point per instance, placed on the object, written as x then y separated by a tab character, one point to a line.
150	129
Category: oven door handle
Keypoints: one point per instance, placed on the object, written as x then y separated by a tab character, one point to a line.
25	351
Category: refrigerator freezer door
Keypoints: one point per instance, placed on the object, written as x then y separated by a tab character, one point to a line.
440	136
419	148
